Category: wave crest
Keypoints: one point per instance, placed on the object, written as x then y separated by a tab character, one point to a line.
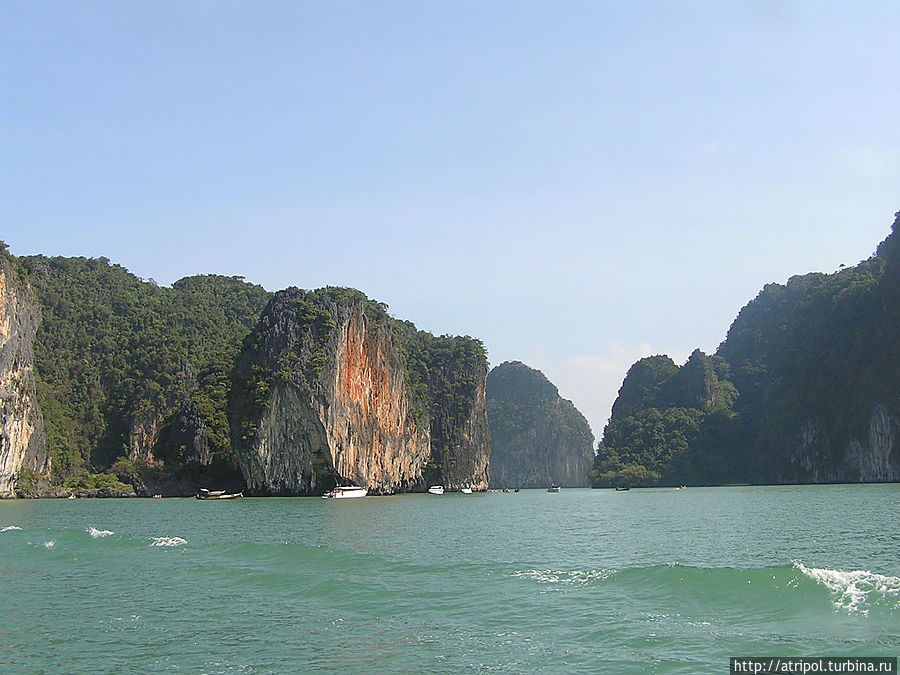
855	590
167	542
98	534
565	577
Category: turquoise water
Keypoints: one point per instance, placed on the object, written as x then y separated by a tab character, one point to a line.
585	581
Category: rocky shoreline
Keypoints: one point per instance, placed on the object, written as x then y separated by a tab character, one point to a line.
64	493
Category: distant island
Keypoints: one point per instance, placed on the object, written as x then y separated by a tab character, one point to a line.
538	438
804	389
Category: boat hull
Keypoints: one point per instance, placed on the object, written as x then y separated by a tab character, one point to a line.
346	493
218	494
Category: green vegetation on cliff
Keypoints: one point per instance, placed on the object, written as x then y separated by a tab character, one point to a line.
661	418
445	374
795	384
126	368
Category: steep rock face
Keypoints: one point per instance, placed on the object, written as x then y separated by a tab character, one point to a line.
373	438
144	434
22	442
460	433
870	457
190	433
322	395
186	435
537	437
876	458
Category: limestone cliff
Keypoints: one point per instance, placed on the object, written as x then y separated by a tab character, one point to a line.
453	372
538	438
326	392
870	457
22	443
804	389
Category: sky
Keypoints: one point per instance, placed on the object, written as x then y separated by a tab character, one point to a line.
576	184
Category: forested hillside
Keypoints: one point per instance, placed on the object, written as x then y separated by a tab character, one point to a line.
136	382
135	375
805	388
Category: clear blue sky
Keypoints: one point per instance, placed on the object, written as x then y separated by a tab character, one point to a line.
578	184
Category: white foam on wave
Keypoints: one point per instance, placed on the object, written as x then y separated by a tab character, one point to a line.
852	589
167	542
49	544
10	528
98	534
565	577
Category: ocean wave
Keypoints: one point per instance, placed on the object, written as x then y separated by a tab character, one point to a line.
49	544
855	590
10	528
98	534
564	577
167	542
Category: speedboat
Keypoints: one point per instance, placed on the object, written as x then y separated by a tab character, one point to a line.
554	488
466	491
346	492
436	490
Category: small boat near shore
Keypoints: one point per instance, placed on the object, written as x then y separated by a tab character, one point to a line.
436	490
346	492
623	489
554	488
466	491
218	494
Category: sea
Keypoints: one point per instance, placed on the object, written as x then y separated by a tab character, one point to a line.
581	581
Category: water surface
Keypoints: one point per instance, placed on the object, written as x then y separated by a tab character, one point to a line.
584	581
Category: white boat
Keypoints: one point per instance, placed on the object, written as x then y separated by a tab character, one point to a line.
466	491
436	489
346	492
554	488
